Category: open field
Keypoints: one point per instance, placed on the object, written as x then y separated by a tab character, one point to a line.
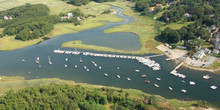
9	43
80	45
16	83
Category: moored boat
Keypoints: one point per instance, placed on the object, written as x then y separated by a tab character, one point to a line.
128	79
158	79
147	81
213	87
156	85
143	76
206	77
137	70
192	83
65	65
105	74
118	76
183	90
170	88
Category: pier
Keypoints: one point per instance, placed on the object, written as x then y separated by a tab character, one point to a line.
144	60
155	56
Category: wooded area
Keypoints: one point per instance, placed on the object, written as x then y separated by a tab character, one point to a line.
69	97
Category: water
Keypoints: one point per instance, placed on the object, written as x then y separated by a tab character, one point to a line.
11	65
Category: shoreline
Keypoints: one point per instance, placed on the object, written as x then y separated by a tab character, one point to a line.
19	81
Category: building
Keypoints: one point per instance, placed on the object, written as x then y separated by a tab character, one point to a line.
152	8
215	51
187	15
5	17
159	4
199	54
69	15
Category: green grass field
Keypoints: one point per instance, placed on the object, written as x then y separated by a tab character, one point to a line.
16	83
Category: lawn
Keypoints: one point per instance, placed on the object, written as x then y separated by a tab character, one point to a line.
10	43
177	25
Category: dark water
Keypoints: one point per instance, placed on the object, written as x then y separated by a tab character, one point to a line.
11	65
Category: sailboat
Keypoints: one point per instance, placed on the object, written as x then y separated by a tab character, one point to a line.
37	61
49	60
66	59
80	60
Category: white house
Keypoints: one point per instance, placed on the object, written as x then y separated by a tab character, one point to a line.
215	51
199	54
5	17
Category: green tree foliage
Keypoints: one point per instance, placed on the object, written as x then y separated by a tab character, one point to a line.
77	14
29	21
170	35
84	2
69	97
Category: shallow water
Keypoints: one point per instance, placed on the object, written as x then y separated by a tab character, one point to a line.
11	65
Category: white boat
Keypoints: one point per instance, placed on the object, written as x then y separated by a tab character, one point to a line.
118	76
183	81
128	79
183	90
75	66
100	67
66	59
137	70
87	69
37	61
156	85
80	60
206	77
118	68
192	83
65	65
158	79
95	64
105	74
39	66
38	58
213	87
23	60
49	60
171	88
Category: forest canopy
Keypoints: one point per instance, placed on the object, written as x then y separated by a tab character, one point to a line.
28	21
69	97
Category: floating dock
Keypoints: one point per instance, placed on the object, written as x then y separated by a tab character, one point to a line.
144	60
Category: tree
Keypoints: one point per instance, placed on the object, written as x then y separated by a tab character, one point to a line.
141	5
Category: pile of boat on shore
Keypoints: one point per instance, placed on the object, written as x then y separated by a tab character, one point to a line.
146	61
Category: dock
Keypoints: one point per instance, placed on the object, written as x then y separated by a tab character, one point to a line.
155	56
144	60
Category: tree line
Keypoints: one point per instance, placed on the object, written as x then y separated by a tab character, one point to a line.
207	11
33	21
204	13
69	97
84	2
29	21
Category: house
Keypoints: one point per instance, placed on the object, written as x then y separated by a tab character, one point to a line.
212	27
159	4
5	17
69	15
152	8
199	54
180	47
10	17
215	51
187	15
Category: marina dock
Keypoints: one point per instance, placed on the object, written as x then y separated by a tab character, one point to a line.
144	60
